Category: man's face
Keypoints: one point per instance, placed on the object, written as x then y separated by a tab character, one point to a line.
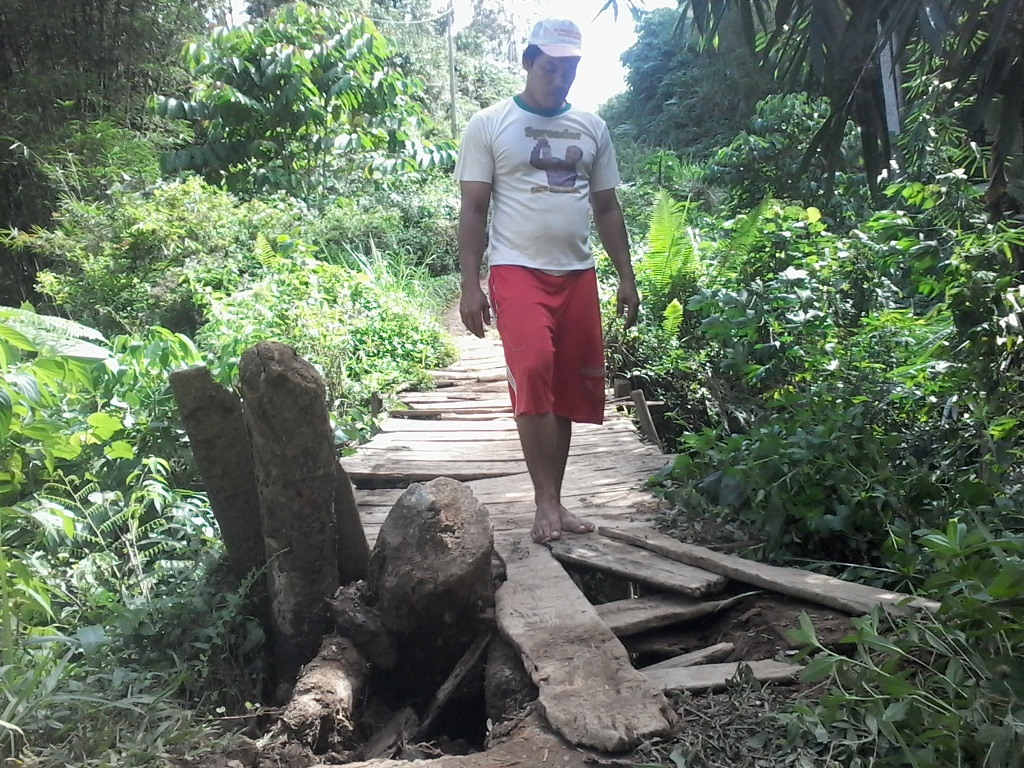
549	78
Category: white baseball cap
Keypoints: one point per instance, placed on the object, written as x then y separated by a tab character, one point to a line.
557	37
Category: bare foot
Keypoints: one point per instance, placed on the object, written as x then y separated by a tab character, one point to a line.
547	525
569	522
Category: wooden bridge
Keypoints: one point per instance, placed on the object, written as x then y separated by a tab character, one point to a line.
590	695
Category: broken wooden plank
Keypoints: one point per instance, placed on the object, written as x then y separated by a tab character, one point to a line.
637	565
588	690
712	677
395	734
458	674
814	587
631	617
709	655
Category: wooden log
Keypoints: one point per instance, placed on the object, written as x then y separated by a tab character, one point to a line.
636	564
814	587
320	713
361	624
588	690
631	617
293	453
212	417
709	655
712	677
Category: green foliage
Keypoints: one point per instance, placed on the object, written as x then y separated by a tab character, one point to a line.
681	96
768	159
671	265
145	258
290	101
370	331
929	690
414	216
67	65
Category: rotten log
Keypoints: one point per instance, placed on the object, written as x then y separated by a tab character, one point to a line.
285	408
213	419
361	623
431	576
321	714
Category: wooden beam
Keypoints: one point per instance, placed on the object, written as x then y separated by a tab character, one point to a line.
814	587
709	655
588	690
711	677
636	565
631	617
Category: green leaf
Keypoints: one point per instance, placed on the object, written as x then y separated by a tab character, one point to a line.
104	425
119	449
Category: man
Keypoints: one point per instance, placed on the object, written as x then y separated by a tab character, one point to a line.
543	165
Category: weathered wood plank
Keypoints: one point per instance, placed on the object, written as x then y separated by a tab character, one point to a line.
710	655
385	471
588	690
710	677
631	617
814	587
491	451
636	564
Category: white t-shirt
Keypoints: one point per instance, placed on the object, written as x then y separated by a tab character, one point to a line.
542	170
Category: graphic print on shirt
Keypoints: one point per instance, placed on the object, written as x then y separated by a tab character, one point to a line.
562	172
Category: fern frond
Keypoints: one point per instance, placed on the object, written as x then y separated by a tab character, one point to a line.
263	250
673	317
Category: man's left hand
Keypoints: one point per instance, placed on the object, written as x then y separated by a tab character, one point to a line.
627	303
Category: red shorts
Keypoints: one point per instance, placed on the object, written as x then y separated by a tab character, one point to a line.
550	328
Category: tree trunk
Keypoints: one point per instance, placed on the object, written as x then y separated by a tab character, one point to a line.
296	473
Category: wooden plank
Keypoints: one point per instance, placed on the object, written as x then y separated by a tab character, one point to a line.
825	590
455	452
388	471
711	677
631	617
709	655
635	564
588	690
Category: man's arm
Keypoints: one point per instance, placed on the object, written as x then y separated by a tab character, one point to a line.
611	228
473	305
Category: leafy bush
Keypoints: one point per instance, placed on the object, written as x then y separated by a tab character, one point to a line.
917	690
768	160
142	259
366	333
414	217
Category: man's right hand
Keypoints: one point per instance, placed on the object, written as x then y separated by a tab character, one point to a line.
475	310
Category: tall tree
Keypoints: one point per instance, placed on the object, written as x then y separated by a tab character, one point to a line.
834	47
64	61
284	103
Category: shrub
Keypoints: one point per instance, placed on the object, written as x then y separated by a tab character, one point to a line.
143	258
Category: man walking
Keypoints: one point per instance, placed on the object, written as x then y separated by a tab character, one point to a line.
543	165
